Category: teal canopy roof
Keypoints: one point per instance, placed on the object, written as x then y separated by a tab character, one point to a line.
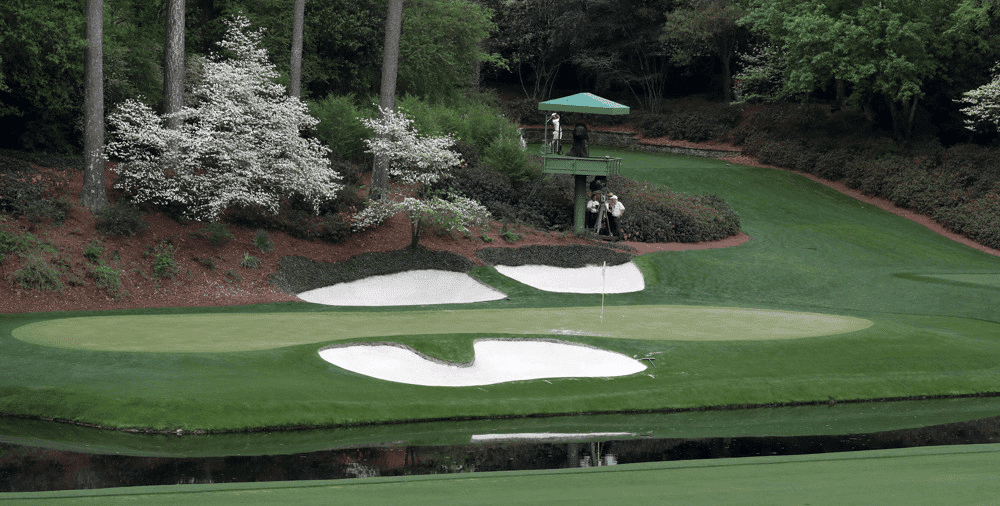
584	102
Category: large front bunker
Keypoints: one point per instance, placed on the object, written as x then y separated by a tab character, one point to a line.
227	332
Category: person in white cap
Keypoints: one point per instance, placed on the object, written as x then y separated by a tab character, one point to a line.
616	209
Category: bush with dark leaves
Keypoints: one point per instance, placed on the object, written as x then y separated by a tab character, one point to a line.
120	219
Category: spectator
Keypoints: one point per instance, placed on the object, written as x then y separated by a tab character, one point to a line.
616	210
593	210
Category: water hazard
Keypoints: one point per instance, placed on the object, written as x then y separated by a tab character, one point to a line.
87	458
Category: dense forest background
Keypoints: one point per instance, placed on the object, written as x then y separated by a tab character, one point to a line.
900	66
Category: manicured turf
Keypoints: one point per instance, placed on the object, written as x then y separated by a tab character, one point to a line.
243	332
933	304
933	476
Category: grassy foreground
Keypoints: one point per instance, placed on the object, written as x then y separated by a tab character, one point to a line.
932	304
957	475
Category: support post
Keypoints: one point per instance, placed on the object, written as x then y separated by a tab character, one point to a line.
580	203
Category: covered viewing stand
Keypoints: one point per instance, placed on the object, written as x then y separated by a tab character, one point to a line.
553	163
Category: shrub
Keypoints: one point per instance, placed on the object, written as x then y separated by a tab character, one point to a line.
505	155
37	274
240	144
120	219
571	256
10	243
339	127
249	261
36	195
107	279
977	218
215	233
164	265
262	240
92	251
654	213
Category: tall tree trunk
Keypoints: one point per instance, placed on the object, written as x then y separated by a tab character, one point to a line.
298	20
173	62
94	196
727	77
387	95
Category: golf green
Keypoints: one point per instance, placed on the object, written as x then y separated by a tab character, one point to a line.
244	332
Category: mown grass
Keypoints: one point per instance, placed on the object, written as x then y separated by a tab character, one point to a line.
812	250
890	477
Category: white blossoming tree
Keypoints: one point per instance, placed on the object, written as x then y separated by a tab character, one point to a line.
416	161
984	103
239	144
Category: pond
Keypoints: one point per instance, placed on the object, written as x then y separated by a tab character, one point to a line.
39	456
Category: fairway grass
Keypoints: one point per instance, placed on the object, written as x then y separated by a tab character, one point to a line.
211	333
950	475
832	300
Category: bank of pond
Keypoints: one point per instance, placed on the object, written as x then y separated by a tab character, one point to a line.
42	456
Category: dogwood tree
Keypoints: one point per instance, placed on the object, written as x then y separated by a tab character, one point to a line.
416	161
984	103
240	143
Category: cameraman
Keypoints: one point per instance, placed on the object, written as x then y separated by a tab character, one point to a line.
615	211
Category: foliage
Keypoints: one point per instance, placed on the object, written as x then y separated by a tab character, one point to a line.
413	159
698	27
654	213
262	240
441	46
249	261
570	257
37	273
298	274
240	145
339	127
120	219
164	264
886	49
507	156
41	49
92	250
215	233
108	279
983	104
697	124
437	214
35	194
11	243
624	48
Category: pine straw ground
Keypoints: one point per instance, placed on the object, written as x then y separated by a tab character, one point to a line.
226	283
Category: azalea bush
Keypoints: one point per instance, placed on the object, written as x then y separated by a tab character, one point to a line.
240	144
654	213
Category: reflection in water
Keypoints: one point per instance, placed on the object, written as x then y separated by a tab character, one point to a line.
25	469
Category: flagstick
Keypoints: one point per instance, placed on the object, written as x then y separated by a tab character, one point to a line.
603	267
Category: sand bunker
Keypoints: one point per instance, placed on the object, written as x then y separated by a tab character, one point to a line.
497	361
411	288
622	278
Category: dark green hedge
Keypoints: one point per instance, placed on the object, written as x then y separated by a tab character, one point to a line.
569	256
298	274
655	213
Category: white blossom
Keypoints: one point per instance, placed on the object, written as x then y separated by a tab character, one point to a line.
416	161
413	159
984	103
239	144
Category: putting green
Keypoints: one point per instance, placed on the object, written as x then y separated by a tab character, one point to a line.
244	332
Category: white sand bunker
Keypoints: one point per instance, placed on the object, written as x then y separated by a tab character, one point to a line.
497	361
411	288
622	278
